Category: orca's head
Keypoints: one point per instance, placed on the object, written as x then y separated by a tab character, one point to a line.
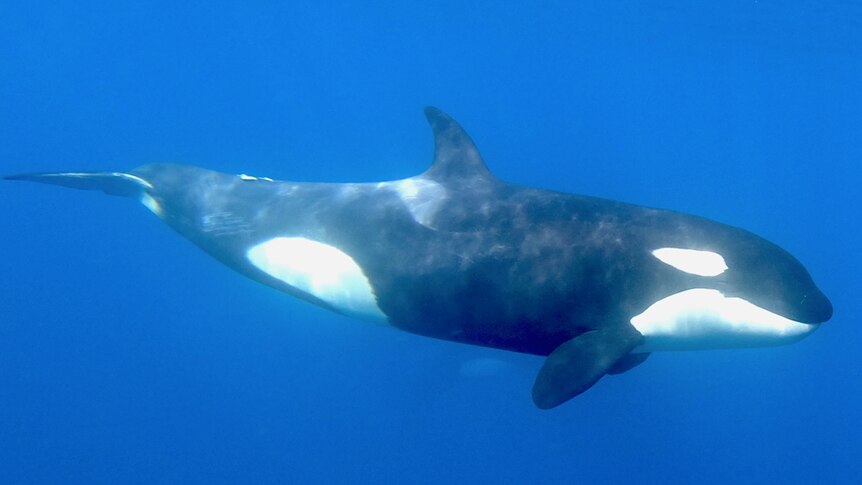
771	278
737	290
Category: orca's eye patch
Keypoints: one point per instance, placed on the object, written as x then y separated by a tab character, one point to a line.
692	261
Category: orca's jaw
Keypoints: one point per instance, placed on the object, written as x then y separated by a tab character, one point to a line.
704	318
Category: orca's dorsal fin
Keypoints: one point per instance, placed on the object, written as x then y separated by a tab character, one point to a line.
456	158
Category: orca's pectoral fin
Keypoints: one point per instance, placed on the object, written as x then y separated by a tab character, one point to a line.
576	365
628	363
112	183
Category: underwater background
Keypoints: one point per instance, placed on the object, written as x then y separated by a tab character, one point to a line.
127	355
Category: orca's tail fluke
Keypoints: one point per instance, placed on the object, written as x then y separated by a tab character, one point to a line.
112	183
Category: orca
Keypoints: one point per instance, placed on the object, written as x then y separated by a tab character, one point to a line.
455	253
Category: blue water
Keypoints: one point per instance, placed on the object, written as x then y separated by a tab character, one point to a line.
129	356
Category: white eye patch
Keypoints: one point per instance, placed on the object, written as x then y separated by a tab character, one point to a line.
692	261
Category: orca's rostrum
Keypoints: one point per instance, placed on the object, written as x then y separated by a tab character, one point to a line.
457	254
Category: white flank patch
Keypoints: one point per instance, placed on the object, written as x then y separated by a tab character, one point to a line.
693	261
421	196
320	270
703	318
